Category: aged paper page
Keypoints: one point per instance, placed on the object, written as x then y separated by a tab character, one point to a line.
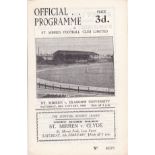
77	77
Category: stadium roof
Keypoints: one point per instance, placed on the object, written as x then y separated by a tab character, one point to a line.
65	52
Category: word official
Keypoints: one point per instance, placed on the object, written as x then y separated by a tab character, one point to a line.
54	16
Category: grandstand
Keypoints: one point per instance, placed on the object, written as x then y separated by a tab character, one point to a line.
65	56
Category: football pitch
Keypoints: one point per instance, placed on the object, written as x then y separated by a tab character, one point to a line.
93	74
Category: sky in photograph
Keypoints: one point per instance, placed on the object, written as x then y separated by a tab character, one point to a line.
100	45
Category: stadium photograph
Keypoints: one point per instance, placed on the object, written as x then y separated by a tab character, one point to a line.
74	67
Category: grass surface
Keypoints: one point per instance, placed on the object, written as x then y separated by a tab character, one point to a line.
95	74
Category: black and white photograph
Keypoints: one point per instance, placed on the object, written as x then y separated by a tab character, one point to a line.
75	67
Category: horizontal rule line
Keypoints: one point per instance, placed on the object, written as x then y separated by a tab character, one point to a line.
74	111
76	139
73	108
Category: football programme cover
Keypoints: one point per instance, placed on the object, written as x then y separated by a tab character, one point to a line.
77	77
